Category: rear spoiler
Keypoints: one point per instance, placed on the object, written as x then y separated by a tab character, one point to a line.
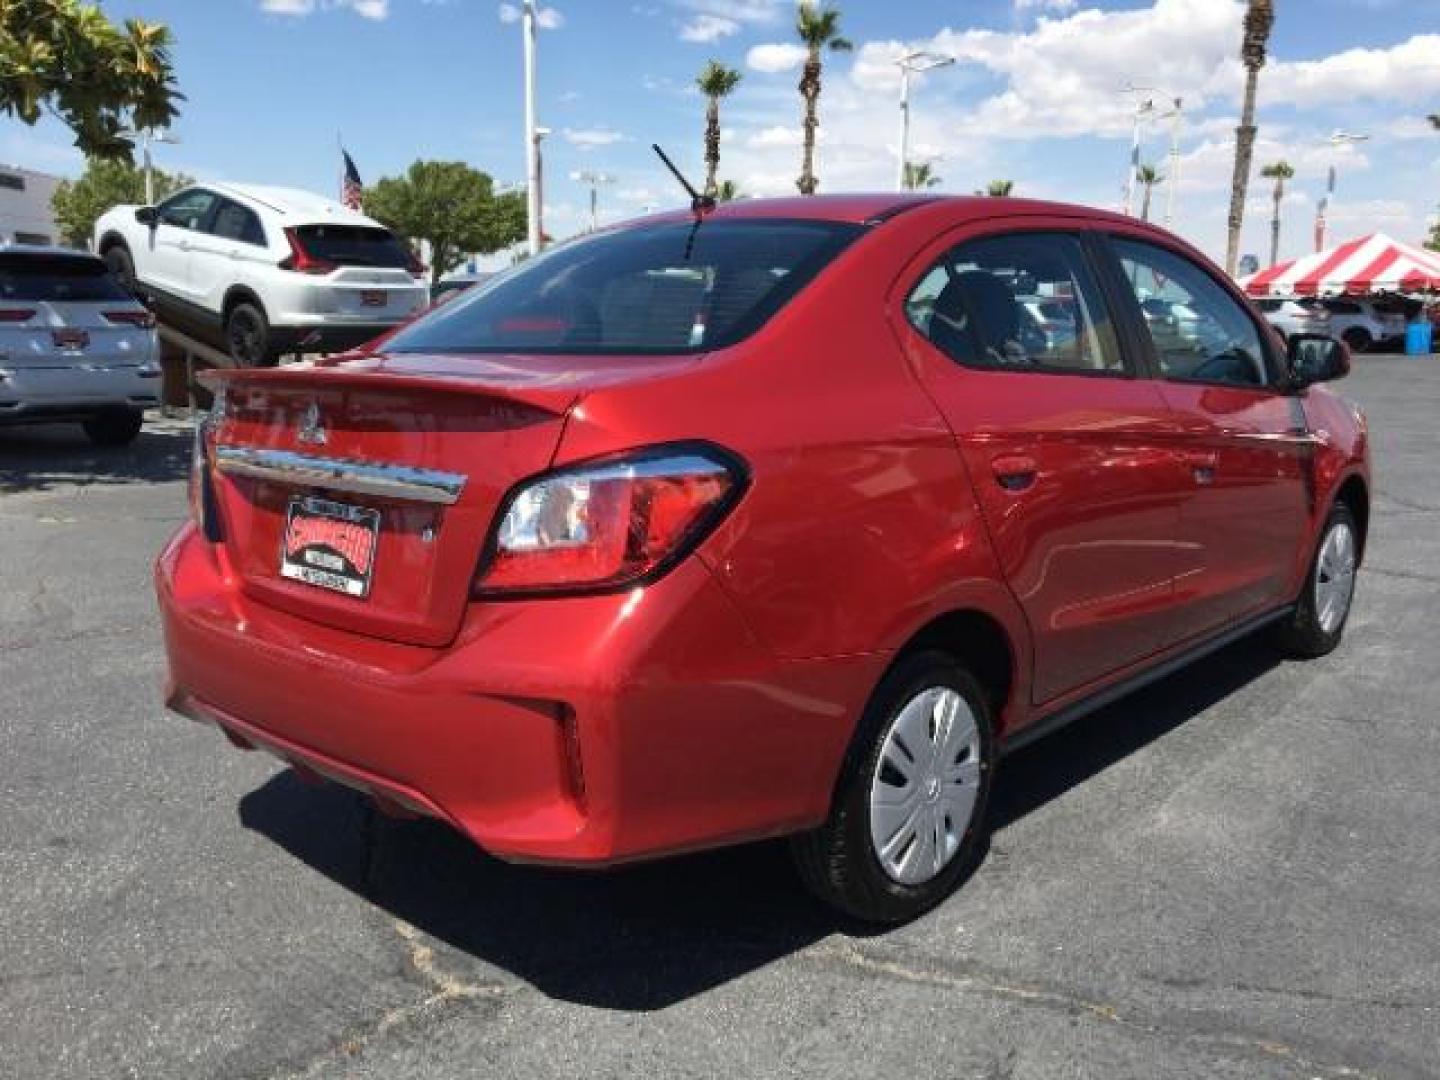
549	393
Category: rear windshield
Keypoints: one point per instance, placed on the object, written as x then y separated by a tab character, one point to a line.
353	245
668	288
57	277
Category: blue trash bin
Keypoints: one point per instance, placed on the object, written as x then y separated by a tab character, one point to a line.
1419	338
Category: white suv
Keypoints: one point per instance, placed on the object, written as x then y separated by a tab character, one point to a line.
260	271
1362	325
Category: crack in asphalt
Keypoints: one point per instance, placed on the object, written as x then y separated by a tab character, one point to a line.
444	993
850	955
20	644
1404	575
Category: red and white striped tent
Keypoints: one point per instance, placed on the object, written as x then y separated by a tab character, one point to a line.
1371	264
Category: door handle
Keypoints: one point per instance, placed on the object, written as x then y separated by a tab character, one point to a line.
1203	464
1015	472
183	245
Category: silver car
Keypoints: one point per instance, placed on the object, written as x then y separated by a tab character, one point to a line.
74	345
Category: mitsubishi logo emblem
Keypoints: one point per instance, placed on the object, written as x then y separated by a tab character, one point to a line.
312	431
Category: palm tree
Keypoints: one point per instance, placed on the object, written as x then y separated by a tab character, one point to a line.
998	189
728	191
715	81
819	30
1149	176
1434	119
919	176
1279	171
1259	21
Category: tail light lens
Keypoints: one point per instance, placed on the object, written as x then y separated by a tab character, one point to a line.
143	319
16	315
300	260
202	491
611	523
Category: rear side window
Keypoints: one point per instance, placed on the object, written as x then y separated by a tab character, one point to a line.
57	277
234	222
354	245
1026	301
665	288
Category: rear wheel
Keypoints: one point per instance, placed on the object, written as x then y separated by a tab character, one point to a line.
247	335
117	428
1318	622
1358	339
909	813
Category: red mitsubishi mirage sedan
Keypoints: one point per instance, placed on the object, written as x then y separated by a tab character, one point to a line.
785	519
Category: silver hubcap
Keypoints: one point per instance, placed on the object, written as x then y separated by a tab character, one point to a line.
923	792
1335	577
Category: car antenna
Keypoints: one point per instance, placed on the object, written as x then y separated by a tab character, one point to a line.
699	204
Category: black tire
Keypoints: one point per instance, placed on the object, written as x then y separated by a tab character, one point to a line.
1358	339
122	267
247	336
120	427
1303	634
838	861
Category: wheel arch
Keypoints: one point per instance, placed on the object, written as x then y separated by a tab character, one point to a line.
980	641
236	295
1355	494
111	239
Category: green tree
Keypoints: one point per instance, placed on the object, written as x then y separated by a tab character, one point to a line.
1279	171
715	81
65	58
1259	21
819	31
102	185
998	189
452	207
728	191
919	176
1149	177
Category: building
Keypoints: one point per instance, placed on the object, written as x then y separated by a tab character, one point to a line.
25	214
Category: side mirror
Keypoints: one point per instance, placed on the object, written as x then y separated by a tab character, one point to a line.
146	216
1316	358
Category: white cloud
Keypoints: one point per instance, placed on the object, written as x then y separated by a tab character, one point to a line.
590	138
547	18
1404	74
706	28
368	9
1045	5
777	135
775	57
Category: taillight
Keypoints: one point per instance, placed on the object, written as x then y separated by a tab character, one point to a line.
143	319
9	315
609	524
202	491
301	261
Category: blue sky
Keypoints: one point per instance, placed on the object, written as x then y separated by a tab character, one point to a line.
1034	97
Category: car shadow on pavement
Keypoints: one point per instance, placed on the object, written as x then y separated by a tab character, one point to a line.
47	456
647	936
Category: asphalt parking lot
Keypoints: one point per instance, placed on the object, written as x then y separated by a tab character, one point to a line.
1235	873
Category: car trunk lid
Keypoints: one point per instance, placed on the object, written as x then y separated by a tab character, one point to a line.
360	494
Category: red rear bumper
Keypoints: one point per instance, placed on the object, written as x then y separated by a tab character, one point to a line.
580	730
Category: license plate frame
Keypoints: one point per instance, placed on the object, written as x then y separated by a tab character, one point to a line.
330	545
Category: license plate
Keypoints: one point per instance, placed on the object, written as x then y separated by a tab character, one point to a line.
70	339
330	545
373	298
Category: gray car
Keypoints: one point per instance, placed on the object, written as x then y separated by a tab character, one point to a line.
74	345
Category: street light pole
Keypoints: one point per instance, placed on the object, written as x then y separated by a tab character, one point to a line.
594	180
1176	116
1143	110
532	135
146	137
911	63
1322	208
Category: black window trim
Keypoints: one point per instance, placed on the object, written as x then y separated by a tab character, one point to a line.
220	202
1131	313
1129	369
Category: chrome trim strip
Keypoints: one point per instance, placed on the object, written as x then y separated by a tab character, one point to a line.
1286	438
356	477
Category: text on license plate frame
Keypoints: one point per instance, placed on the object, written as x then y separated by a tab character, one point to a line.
330	545
373	298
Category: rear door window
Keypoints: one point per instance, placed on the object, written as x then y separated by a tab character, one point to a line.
674	287
57	278
978	306
354	245
235	222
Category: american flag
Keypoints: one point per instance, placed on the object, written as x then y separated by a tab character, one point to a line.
351	189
